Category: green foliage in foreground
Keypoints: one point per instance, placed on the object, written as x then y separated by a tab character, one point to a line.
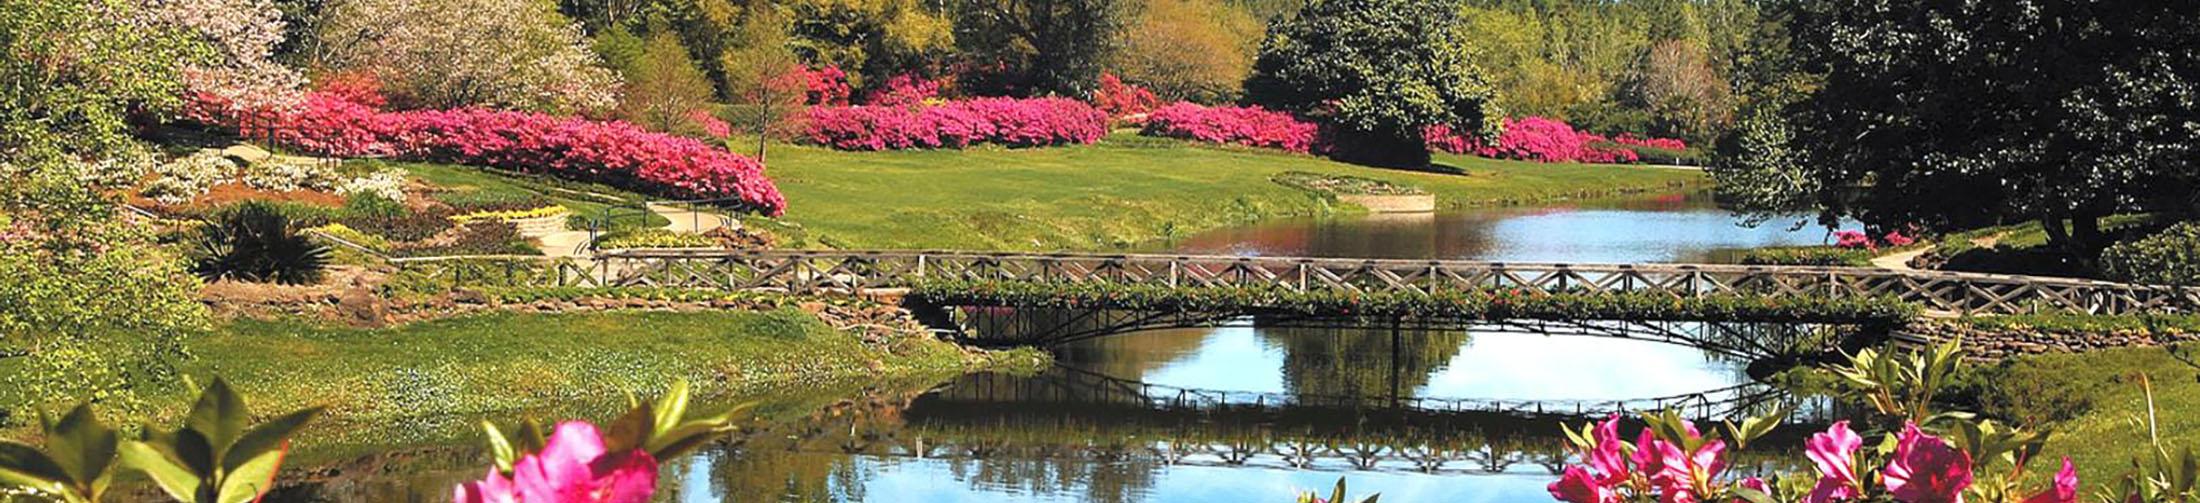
1807	255
215	457
507	361
1124	192
1474	304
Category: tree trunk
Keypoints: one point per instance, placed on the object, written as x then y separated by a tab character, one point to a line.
2056	234
1380	149
2085	229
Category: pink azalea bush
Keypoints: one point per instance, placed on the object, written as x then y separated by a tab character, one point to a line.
573	467
1923	469
1121	100
1858	239
711	124
1249	126
822	86
1543	139
612	152
904	90
1011	122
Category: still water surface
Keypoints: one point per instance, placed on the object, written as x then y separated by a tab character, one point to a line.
1102	428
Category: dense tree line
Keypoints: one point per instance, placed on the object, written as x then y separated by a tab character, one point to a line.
1945	115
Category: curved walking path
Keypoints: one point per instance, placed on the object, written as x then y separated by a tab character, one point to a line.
574	243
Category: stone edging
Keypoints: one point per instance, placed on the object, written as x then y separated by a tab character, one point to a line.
2000	343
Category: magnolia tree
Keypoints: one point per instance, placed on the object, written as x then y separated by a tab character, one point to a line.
517	54
238	76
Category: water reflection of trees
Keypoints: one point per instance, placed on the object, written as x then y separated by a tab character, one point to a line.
1362	362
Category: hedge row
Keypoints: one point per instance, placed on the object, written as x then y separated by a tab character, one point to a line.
1467	304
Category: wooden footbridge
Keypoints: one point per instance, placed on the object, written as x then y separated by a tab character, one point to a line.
802	271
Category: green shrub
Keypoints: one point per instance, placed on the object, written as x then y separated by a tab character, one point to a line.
256	242
300	214
371	205
1807	255
654	238
2171	257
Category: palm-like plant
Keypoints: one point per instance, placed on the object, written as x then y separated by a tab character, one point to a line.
256	242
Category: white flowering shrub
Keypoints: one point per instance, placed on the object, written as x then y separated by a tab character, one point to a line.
182	180
284	175
388	183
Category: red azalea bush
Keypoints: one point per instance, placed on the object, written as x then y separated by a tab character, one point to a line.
1249	126
1121	100
1012	122
611	152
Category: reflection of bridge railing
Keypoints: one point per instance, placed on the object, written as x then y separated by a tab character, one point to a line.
809	271
1076	386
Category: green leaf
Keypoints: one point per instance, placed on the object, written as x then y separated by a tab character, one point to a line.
82	447
265	438
670	408
252	477
500	446
28	466
630	431
1337	495
1753	495
681	439
219	416
172	477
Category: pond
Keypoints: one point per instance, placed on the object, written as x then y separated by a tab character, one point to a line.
1241	412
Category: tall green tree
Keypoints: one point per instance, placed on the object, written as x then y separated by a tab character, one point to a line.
1948	114
872	40
1036	47
663	86
1376	72
88	306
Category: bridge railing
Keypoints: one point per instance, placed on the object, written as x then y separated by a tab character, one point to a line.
815	271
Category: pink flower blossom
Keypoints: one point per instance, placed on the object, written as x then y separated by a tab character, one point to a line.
1853	239
572	468
1577	485
1013	122
1543	139
1120	99
616	153
1834	452
1606	458
1249	126
2065	489
903	91
1925	469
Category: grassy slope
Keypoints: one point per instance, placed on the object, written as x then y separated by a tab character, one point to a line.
505	361
1118	193
2103	440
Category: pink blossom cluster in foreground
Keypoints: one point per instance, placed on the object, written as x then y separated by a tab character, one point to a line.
1248	126
348	124
1923	469
1012	122
573	467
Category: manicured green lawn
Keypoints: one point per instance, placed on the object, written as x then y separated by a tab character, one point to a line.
583	199
508	361
2103	388
1116	194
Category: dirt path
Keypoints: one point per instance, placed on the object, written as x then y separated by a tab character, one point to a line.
1899	261
688	221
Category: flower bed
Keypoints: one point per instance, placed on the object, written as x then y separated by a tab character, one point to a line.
1010	122
616	153
1249	126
